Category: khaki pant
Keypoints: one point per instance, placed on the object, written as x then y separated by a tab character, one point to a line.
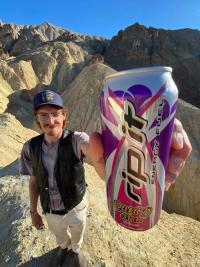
69	228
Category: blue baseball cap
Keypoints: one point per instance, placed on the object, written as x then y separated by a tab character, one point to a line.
47	97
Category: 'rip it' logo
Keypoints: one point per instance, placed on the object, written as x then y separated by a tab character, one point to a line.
134	174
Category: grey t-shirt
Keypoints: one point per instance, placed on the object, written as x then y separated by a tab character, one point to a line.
49	156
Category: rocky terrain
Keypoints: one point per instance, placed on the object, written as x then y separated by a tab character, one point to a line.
175	241
33	57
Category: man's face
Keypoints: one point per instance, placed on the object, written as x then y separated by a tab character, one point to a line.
51	119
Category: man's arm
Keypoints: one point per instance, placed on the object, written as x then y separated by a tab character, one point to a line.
34	195
26	169
94	153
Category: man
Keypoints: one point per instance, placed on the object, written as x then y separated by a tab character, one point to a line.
54	161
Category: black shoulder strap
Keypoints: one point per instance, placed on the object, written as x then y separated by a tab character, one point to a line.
67	135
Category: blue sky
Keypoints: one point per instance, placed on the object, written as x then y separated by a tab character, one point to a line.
103	18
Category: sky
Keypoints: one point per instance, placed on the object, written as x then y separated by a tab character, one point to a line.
103	18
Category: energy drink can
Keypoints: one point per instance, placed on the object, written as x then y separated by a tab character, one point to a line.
137	114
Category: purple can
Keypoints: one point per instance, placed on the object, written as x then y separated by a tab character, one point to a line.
137	114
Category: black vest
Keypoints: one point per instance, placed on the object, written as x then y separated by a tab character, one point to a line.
69	172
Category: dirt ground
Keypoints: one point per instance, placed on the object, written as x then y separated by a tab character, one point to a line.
175	241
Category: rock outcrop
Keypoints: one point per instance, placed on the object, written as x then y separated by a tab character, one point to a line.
8	74
9	33
81	97
13	135
138	46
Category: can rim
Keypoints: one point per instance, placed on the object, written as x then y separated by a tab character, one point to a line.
140	70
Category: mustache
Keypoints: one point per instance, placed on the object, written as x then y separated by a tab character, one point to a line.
49	125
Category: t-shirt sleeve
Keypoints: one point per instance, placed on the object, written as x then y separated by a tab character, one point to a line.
25	160
77	139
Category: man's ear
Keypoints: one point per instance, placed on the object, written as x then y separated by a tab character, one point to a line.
65	122
65	114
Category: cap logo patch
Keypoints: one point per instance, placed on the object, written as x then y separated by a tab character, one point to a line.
47	96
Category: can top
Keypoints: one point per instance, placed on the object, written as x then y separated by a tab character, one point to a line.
140	71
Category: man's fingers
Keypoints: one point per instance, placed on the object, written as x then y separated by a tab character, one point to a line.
180	151
178	157
177	136
176	163
187	149
184	152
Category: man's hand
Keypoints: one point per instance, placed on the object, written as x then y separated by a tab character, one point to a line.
180	151
37	221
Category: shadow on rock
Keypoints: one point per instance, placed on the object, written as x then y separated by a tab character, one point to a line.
11	169
45	260
48	258
21	109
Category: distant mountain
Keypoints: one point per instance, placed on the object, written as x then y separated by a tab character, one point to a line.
17	39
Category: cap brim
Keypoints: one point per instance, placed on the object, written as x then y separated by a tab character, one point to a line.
50	104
